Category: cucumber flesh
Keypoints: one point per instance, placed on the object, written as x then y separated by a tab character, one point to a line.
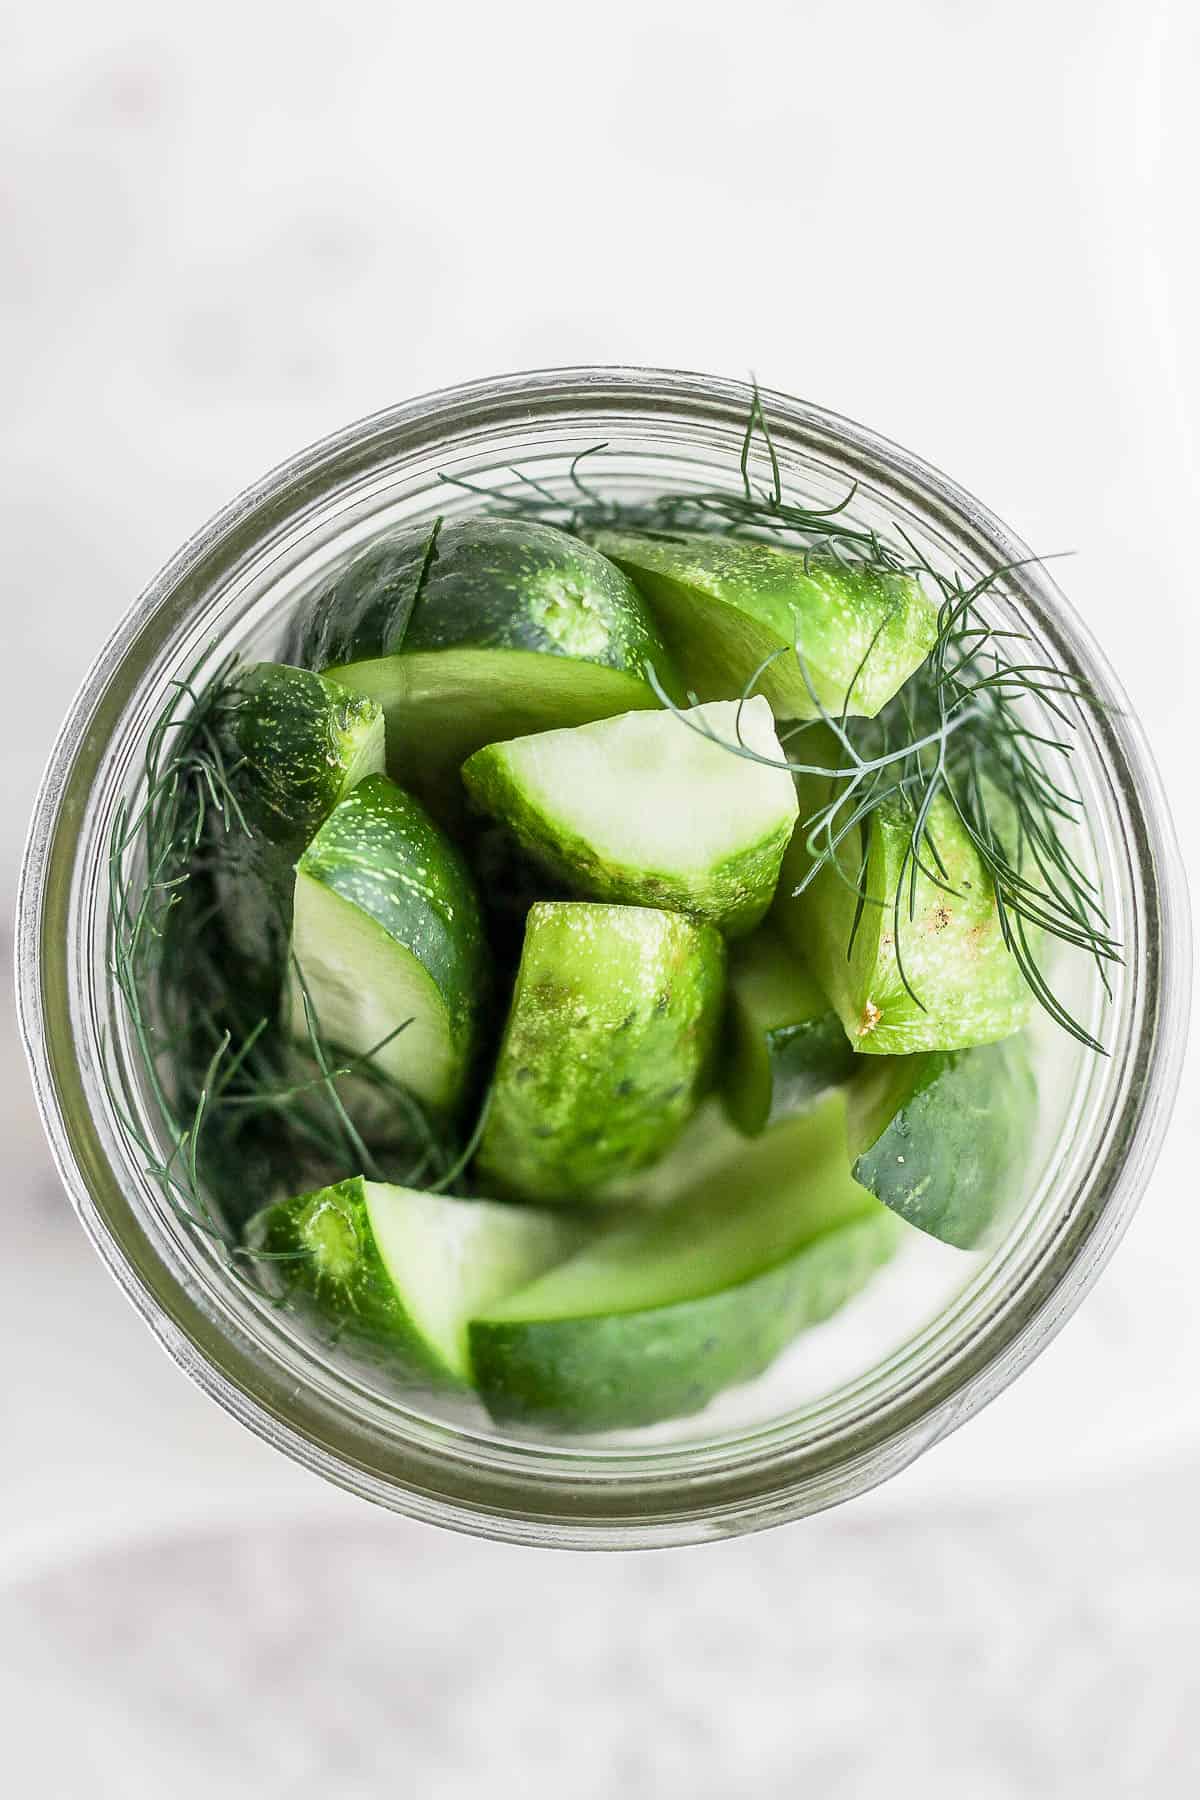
784	1044
388	929
397	1272
944	1138
968	985
440	705
652	1319
648	810
503	626
607	1048
725	606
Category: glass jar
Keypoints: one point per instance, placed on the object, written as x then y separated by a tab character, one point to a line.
820	1428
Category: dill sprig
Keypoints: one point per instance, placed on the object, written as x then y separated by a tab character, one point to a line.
212	1081
965	726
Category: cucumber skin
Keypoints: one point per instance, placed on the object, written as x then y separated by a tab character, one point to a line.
622	1370
380	851
802	1062
482	583
291	741
969	983
832	612
783	1043
943	1139
735	894
563	1121
362	1313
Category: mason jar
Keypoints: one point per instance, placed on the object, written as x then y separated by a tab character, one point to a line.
940	1333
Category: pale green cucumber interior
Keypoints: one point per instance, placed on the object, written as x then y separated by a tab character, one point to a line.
440	705
362	984
647	791
451	1259
784	1190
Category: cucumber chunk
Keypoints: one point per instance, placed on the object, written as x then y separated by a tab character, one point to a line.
968	985
784	1044
646	810
654	1318
482	629
295	744
607	1047
387	929
724	606
943	1139
396	1273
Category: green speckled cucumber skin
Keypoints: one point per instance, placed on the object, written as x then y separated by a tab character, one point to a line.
381	853
663	1313
648	767
723	605
944	1138
630	1369
969	984
478	630
295	744
345	1293
607	1049
783	1043
484	584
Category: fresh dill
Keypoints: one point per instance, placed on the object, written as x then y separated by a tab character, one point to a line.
215	1088
965	726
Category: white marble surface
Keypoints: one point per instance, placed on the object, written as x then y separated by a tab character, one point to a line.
228	230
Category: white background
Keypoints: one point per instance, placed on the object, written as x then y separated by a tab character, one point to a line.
228	229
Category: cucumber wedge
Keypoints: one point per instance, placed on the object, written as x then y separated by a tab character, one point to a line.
387	929
943	1139
725	606
649	811
607	1047
396	1273
950	951
784	1044
482	629
652	1319
294	744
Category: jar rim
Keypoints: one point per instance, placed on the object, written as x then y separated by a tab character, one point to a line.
558	1495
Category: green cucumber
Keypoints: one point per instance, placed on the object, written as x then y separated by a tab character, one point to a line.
968	985
725	606
294	744
396	1273
655	1317
784	1044
388	929
648	810
481	629
944	1138
607	1048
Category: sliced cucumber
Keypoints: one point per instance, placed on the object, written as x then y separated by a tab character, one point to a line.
653	1318
607	1047
940	977
943	1139
725	606
295	744
708	1142
478	630
396	1273
387	929
784	1044
649	810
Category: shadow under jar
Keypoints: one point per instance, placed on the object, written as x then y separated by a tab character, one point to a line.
939	1333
